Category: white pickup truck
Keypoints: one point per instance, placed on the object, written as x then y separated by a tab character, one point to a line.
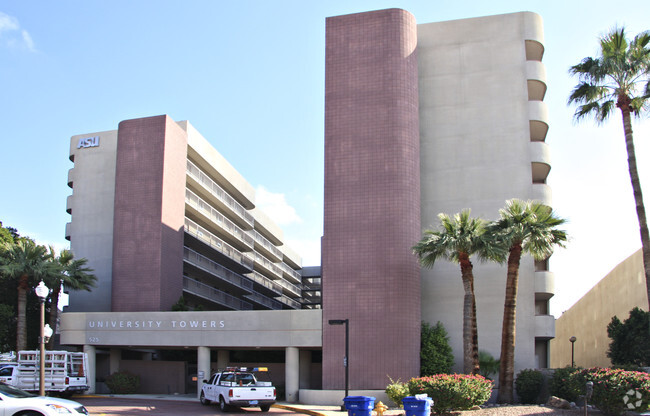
238	387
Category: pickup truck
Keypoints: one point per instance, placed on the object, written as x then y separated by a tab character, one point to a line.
238	387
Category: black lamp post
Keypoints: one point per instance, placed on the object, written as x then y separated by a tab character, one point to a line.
346	362
42	291
573	341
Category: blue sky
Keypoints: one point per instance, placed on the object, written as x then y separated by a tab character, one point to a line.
249	75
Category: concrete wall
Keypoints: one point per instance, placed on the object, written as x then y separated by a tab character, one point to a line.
91	207
372	199
475	153
616	294
166	377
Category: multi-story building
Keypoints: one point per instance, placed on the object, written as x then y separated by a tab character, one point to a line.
423	119
157	210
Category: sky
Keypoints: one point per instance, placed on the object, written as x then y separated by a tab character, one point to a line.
249	75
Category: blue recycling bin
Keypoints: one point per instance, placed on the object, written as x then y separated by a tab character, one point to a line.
359	405
417	405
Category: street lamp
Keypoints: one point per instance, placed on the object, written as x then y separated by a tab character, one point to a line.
346	362
573	341
42	291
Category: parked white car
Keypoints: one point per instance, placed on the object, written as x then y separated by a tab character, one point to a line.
14	401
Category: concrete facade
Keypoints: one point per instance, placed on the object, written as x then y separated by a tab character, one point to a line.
620	291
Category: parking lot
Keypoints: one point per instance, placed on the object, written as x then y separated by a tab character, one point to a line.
118	406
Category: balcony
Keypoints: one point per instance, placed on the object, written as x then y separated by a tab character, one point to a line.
265	265
68	204
544	285
222	198
214	295
542	192
216	243
534	50
229	228
71	177
536	76
215	269
68	229
289	302
540	158
291	289
538	120
264	301
544	326
266	282
267	248
290	274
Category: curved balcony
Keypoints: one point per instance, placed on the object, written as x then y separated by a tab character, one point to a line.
68	227
68	204
534	50
533	27
540	158
544	326
536	76
71	177
542	192
538	119
544	285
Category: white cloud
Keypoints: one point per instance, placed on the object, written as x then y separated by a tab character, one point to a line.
11	34
276	207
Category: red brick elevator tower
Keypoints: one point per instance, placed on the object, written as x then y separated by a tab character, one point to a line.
372	199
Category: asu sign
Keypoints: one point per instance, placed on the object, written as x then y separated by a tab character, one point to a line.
88	142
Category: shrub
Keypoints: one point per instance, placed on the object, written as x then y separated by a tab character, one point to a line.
529	385
436	356
123	382
615	391
560	384
396	391
453	391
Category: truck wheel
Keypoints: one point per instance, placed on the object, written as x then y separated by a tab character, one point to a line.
265	407
222	405
204	401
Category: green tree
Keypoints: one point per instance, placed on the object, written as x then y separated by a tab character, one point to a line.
436	356
630	339
25	263
526	228
70	273
619	78
459	238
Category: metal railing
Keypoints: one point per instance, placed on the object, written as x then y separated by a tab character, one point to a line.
289	302
263	300
218	244
290	272
215	295
269	246
265	281
268	264
216	269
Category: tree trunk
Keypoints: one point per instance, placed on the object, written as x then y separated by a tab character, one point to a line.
508	332
54	313
624	104
21	319
470	327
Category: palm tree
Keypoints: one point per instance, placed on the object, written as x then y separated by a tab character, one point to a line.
619	77
26	263
461	237
527	228
72	274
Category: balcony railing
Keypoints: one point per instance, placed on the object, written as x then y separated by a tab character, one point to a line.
266	282
260	240
216	269
218	244
291	288
289	302
264	301
219	219
215	295
292	274
219	192
268	265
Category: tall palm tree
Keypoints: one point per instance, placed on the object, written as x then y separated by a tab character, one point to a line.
72	274
459	238
26	263
527	228
619	78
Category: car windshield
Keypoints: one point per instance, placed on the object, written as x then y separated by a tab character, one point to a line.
14	392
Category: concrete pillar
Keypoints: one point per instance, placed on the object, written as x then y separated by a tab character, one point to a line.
202	367
91	371
223	359
305	369
292	374
114	360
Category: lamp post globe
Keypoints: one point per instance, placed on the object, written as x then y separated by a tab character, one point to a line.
42	291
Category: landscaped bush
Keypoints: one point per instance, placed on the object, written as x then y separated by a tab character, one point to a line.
560	384
529	385
396	391
615	391
123	382
452	391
